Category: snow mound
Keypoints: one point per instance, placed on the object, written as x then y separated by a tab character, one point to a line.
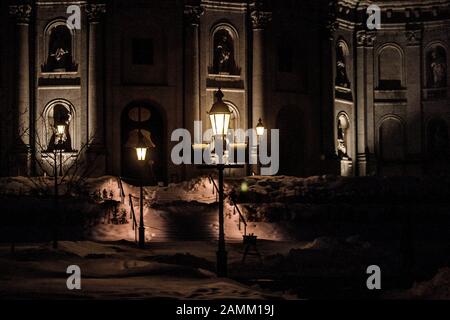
85	248
330	188
329	243
323	243
437	288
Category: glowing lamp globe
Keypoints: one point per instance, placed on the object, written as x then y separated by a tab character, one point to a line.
219	115
260	128
141	153
141	148
60	129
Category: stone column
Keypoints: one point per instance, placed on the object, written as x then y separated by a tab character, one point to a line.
370	104
413	96
361	102
327	100
259	21
95	134
22	14
192	16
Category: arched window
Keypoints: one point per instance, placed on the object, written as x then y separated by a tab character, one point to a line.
59	53
224	52
390	68
59	113
436	67
235	122
342	79
145	117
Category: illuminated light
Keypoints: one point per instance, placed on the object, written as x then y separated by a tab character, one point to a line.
220	115
200	146
141	148
60	129
244	186
141	153
260	128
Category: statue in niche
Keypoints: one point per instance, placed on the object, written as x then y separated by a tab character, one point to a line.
223	53
341	68
341	133
61	115
59	57
438	68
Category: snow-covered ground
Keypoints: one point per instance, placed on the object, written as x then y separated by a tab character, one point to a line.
193	202
437	288
323	228
323	268
121	271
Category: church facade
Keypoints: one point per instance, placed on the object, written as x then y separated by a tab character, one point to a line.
345	98
391	99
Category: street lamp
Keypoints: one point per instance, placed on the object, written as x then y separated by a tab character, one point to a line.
141	152
58	145
260	128
220	115
60	131
259	133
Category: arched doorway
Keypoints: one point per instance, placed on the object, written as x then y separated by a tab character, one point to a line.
292	149
392	147
437	139
438	147
152	126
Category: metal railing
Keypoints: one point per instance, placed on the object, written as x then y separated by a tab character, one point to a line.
121	191
133	217
241	216
233	202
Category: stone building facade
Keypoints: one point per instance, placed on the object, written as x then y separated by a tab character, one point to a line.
344	97
391	97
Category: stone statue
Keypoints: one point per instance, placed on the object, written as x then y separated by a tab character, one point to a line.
59	51
341	147
341	69
59	54
438	68
223	53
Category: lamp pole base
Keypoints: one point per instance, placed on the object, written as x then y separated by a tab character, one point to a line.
141	237
222	257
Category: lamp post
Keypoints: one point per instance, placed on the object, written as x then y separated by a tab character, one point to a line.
141	152
60	130
259	133
55	213
58	145
219	116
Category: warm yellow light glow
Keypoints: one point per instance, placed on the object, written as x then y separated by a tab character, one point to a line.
260	128
60	129
141	153
220	123
220	115
200	146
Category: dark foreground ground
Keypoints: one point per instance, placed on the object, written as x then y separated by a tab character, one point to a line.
324	268
321	234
